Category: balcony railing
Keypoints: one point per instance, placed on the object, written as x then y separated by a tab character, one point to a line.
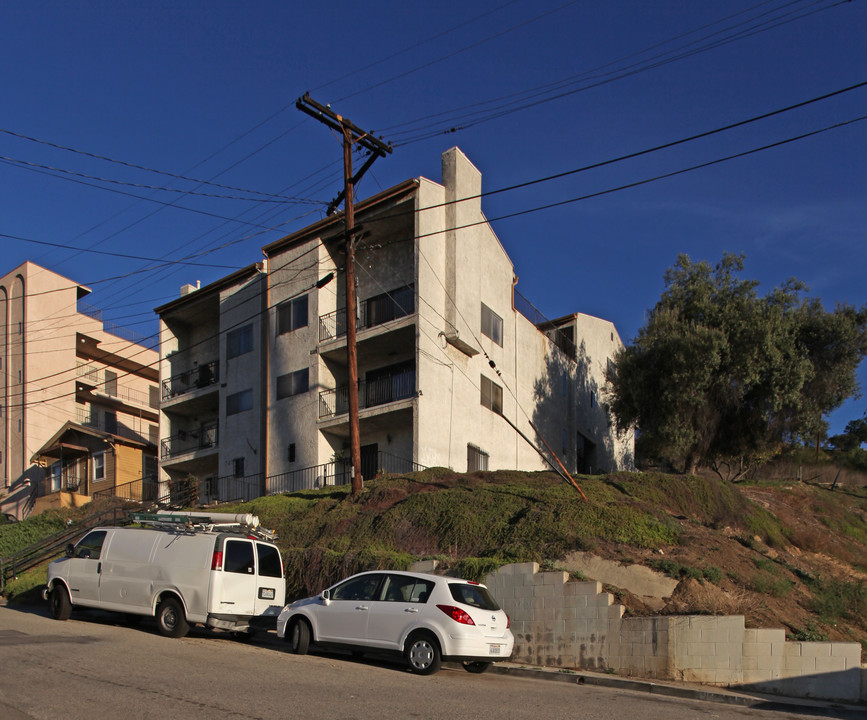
199	377
371	312
371	393
139	430
205	437
109	386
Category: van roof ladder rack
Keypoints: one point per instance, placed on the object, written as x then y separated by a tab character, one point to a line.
205	522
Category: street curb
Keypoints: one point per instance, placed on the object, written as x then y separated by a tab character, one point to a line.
726	697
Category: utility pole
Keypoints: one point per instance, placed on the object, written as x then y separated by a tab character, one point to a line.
377	148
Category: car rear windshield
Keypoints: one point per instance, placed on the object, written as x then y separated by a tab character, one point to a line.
473	595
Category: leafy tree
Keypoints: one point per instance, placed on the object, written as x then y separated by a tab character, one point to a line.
852	437
720	377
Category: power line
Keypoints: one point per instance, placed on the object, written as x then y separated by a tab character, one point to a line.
146	169
542	94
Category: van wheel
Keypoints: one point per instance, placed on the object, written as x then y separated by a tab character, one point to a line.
58	603
299	637
423	654
170	619
476	667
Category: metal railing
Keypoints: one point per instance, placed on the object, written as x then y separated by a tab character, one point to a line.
143	433
371	393
38	552
557	336
205	437
142	490
230	488
109	386
371	312
199	377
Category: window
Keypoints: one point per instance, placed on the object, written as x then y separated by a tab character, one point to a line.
292	315
492	325
293	383
54	474
239	402
91	546
401	588
238	557
477	459
473	595
110	383
19	377
492	395
111	422
239	342
291	452
1	411
390	306
269	561
99	467
360	588
238	467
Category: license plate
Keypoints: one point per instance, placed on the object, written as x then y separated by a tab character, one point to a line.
266	593
495	649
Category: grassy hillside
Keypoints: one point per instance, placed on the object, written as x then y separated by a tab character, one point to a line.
785	552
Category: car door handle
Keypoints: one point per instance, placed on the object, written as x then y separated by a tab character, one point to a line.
362	607
415	610
98	568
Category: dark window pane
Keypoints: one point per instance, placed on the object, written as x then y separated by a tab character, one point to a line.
269	561
238	557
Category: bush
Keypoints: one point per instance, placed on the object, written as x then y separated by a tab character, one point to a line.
835	599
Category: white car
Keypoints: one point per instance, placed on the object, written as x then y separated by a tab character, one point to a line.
427	618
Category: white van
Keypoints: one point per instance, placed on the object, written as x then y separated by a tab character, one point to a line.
219	570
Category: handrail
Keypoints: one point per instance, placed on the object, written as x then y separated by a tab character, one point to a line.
34	554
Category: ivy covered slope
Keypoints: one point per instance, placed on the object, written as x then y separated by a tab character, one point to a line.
781	554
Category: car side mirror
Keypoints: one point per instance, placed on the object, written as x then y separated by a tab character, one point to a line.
70	550
325	596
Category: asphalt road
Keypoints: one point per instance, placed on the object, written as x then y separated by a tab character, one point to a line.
93	666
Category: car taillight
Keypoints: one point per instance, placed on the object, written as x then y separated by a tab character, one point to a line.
508	621
217	560
456	614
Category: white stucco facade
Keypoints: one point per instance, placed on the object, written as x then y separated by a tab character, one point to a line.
451	372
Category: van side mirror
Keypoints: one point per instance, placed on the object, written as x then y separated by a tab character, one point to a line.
70	550
325	596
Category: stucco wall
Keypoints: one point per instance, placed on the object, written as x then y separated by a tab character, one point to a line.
569	624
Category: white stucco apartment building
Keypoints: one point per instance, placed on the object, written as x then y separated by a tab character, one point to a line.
78	402
452	370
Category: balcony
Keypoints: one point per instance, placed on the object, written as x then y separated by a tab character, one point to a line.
188	441
199	377
130	427
372	392
104	384
374	311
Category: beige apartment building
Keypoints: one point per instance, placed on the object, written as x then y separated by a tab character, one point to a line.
78	398
455	368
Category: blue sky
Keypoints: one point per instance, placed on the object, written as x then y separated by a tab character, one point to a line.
206	90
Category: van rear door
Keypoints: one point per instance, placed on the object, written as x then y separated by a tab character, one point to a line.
270	586
235	587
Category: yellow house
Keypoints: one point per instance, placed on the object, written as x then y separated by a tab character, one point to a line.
82	463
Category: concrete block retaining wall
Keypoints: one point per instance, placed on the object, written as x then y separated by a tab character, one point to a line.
562	623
